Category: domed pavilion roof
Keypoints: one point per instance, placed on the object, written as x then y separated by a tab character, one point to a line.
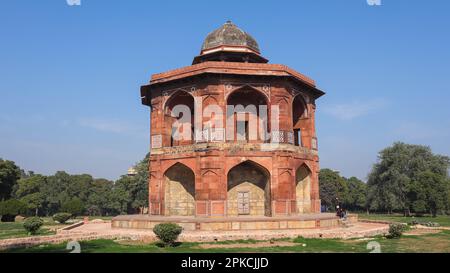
230	35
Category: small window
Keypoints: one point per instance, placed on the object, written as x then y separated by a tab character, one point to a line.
298	137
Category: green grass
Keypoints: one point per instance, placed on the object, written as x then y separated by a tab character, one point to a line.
443	220
438	242
16	230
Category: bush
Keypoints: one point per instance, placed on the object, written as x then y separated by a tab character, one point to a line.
396	231
167	232
33	224
62	217
9	209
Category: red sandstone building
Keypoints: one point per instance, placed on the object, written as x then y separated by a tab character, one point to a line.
211	175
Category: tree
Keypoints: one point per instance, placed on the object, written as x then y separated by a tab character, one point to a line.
55	192
357	194
9	174
332	186
430	193
74	207
393	181
99	200
9	209
121	198
28	191
139	185
130	194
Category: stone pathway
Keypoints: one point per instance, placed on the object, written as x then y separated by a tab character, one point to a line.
93	231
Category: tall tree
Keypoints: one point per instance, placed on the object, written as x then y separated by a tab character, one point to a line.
357	194
9	174
139	186
392	179
333	188
121	198
429	191
55	191
28	191
99	201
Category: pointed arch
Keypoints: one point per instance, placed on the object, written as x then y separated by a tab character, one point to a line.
303	178
248	190
299	119
299	108
179	190
185	125
176	95
248	121
248	88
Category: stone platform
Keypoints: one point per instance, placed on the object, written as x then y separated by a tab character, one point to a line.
305	221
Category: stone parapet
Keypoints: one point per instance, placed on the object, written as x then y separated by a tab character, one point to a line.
235	147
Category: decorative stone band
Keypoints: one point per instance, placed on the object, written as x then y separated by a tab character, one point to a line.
206	208
218	136
233	147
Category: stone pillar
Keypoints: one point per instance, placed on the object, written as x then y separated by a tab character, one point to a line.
315	198
156	206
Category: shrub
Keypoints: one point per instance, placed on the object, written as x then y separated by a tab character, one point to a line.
396	231
62	217
33	224
9	209
167	232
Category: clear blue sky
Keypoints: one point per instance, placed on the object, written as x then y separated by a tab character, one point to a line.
70	75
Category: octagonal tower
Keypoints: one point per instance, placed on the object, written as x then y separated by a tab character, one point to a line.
220	170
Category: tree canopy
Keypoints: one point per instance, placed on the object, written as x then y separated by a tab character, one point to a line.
335	189
409	178
75	194
9	174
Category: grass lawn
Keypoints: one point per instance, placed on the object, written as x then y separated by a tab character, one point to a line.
442	220
437	242
16	230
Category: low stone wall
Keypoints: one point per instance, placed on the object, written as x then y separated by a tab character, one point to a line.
224	224
39	240
206	230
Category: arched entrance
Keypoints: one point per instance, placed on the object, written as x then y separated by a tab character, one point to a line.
248	190
179	191
303	189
